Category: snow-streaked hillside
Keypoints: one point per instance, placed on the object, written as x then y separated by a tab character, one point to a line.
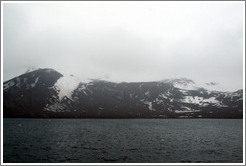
188	84
48	93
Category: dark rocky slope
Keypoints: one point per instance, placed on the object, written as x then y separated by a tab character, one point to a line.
39	94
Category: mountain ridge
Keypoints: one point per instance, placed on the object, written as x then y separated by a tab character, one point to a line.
46	93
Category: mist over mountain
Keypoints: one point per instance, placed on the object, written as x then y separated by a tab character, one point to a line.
46	93
128	41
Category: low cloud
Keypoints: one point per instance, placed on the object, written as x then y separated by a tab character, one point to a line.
123	41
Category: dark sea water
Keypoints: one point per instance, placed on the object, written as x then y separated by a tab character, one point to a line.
122	140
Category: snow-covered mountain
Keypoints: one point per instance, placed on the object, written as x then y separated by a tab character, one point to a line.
48	93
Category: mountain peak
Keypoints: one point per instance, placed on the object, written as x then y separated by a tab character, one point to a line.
30	79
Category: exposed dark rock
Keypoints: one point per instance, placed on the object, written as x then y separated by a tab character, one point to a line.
35	95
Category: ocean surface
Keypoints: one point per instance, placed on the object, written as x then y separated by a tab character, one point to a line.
122	140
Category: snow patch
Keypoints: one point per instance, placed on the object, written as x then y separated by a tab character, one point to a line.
35	82
183	91
140	86
183	116
8	85
163	96
147	93
182	83
193	100
66	85
186	108
186	111
150	105
202	102
83	88
158	101
55	107
18	82
211	100
187	84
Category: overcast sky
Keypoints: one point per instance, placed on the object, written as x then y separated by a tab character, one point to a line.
127	41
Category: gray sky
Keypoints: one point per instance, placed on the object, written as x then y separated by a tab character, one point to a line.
127	41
